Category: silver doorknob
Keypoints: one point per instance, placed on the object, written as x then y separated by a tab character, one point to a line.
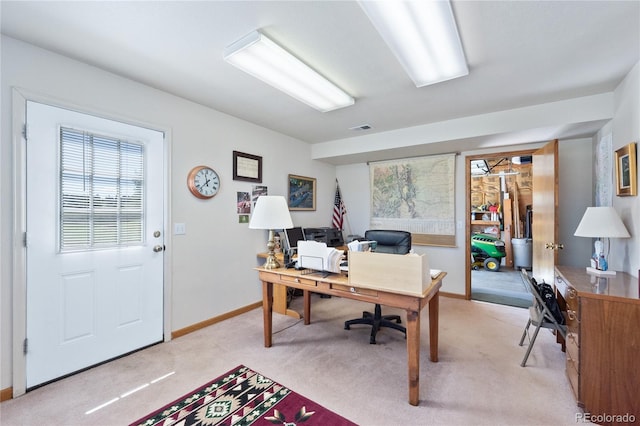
158	248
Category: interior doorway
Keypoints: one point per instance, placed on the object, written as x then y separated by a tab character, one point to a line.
500	198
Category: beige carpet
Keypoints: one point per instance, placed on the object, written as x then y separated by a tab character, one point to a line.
478	380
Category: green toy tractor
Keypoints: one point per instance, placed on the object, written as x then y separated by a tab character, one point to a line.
487	251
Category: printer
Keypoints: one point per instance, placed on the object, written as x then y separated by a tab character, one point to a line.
332	237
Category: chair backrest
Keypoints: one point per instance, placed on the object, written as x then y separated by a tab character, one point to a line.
539	303
390	241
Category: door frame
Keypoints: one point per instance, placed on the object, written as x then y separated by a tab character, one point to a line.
19	266
467	171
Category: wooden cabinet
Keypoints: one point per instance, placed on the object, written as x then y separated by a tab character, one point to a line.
603	341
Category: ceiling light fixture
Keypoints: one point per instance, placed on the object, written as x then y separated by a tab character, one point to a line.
261	57
423	36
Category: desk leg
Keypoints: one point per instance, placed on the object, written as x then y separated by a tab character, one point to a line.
413	355
434	311
267	310
306	294
280	301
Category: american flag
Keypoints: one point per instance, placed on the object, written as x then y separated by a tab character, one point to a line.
338	210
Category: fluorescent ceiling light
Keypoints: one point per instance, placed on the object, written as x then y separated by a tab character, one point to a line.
423	36
479	167
259	56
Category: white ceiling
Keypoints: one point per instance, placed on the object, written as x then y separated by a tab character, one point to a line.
519	53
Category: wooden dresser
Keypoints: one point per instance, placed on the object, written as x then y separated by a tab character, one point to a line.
603	341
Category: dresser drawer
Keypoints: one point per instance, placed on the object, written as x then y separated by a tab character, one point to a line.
573	376
573	350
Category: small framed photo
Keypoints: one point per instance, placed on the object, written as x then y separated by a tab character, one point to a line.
302	193
626	171
247	167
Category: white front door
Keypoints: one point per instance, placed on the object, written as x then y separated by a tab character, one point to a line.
94	240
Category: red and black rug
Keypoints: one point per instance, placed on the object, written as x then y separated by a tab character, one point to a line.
242	397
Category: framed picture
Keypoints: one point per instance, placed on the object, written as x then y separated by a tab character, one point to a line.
247	167
302	193
626	171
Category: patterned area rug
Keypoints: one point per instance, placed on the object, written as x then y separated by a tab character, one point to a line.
242	397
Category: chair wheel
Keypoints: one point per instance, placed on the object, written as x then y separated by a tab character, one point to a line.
346	327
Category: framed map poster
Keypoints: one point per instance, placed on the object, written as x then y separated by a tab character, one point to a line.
415	195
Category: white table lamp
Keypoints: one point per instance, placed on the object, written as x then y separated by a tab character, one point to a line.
271	213
601	223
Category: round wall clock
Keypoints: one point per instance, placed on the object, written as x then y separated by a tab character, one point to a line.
203	182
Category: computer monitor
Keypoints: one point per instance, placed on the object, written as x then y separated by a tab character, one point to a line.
293	235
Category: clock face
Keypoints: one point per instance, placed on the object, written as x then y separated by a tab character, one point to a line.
203	182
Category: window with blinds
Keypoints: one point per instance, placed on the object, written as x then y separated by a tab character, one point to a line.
102	191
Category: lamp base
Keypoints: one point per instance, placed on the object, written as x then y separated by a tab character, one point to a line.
271	263
594	271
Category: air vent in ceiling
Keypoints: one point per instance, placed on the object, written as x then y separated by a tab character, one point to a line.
360	127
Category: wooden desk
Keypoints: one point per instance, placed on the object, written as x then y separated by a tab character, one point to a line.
280	304
603	342
338	285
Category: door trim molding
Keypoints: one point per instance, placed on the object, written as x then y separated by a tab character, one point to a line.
20	97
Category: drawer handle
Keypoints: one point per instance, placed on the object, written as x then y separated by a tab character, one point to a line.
572	315
297	280
572	293
353	290
559	279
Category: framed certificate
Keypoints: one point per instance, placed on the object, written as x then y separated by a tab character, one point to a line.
247	167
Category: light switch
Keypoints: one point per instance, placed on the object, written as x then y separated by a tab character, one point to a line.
179	228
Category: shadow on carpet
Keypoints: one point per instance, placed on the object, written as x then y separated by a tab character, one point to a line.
502	297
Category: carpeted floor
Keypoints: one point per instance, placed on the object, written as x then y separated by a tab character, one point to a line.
477	381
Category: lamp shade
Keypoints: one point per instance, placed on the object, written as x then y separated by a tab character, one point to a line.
271	212
601	222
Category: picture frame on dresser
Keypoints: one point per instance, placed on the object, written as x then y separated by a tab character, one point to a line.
626	171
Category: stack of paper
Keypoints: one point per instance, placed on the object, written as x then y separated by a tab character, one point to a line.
317	256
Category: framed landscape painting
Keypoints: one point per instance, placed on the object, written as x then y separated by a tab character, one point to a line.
302	193
626	170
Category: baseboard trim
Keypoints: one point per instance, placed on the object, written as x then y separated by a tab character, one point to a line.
6	394
452	295
183	331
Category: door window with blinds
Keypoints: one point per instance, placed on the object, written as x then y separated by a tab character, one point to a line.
101	191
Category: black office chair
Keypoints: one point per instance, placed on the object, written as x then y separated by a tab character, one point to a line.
394	242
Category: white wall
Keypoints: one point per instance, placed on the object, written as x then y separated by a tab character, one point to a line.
575	192
625	253
208	265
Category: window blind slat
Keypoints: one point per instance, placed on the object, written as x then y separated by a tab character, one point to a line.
102	191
